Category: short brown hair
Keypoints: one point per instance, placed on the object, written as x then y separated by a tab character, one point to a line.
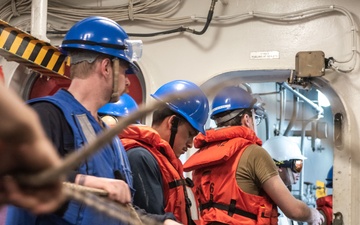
162	112
235	121
85	62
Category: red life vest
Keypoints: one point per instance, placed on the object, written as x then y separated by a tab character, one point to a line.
325	204
170	166
219	196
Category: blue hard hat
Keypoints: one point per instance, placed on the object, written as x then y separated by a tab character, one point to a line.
121	108
194	108
102	35
231	98
329	178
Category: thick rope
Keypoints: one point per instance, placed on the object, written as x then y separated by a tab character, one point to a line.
115	210
72	190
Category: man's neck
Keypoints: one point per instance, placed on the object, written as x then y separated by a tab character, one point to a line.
90	96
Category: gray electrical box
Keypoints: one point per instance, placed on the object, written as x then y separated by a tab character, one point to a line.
310	64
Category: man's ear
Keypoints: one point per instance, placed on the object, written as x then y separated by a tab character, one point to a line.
170	121
246	120
105	66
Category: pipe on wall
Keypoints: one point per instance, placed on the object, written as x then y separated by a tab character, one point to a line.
39	19
303	131
282	107
293	116
318	108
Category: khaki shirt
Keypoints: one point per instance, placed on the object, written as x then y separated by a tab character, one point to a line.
255	167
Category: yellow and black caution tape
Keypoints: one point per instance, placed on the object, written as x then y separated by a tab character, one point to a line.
38	55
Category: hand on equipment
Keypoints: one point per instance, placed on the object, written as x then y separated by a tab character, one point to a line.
316	218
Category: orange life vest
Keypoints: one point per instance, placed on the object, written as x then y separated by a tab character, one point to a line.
219	196
170	167
325	204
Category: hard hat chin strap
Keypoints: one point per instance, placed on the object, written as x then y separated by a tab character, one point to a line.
115	90
174	128
254	121
291	176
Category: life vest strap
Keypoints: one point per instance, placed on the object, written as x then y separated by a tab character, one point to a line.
181	182
230	209
176	183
